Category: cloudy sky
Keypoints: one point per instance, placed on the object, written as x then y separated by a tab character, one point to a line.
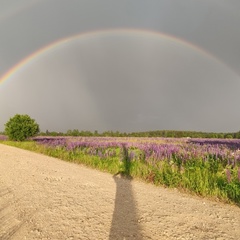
129	65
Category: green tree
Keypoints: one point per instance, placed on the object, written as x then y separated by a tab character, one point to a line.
21	127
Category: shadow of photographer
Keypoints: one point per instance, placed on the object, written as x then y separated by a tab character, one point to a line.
125	221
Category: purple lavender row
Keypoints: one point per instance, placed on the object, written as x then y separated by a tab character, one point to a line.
156	149
233	144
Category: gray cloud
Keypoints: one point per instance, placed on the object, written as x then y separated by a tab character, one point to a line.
123	81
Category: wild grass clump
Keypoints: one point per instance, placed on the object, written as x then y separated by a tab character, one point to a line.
210	170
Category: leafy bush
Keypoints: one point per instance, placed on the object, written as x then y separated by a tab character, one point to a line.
21	127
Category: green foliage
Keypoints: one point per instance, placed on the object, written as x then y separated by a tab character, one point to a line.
21	127
157	133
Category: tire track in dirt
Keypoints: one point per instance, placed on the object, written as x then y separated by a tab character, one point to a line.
8	217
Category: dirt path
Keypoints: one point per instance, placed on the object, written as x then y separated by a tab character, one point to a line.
46	198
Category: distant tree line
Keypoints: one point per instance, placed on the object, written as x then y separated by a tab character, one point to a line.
158	133
21	127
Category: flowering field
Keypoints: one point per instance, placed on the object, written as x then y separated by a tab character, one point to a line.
207	167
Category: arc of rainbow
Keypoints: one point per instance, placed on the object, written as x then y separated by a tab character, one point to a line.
62	41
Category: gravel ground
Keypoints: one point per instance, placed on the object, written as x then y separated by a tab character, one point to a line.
46	198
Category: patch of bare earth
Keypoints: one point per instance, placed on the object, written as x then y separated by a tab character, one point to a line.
46	198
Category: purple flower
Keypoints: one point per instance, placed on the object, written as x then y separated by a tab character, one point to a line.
3	137
131	155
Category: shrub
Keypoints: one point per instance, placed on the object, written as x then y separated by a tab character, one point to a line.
21	127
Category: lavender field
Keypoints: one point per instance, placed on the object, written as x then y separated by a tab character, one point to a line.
206	167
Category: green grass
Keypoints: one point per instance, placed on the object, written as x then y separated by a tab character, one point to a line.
204	178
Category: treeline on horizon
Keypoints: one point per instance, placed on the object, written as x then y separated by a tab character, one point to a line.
157	133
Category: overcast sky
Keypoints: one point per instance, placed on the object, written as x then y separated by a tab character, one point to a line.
129	65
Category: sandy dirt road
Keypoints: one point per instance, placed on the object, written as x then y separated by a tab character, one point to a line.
46	198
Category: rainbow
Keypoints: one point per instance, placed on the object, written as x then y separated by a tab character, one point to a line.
26	61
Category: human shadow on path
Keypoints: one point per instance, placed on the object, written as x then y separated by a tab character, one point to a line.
125	221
